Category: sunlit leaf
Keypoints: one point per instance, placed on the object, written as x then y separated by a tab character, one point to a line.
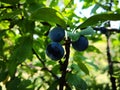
83	67
49	15
99	17
95	8
22	51
75	68
93	49
56	69
93	65
54	3
87	3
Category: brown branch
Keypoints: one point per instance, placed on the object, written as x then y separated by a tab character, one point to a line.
110	63
64	66
108	29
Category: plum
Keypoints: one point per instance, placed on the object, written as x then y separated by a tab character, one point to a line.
55	51
57	34
81	44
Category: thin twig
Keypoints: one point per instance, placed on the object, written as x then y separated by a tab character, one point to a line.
108	29
44	66
34	52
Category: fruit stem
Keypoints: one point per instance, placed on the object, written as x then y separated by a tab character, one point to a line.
64	65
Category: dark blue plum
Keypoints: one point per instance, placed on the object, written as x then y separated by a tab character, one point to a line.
57	34
81	44
55	51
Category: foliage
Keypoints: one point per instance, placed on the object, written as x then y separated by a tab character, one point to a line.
24	28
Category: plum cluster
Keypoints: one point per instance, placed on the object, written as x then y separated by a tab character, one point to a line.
55	50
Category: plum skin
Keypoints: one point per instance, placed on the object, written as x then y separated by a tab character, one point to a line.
55	51
57	34
81	44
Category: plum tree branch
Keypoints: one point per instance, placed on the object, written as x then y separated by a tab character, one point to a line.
110	63
64	65
108	29
109	59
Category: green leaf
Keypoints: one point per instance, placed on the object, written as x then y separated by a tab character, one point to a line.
75	67
74	80
13	84
10	1
54	3
99	17
49	15
56	69
78	58
25	85
3	75
22	51
95	8
1	46
3	72
53	86
26	26
83	67
10	15
87	31
2	33
75	36
93	49
92	63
